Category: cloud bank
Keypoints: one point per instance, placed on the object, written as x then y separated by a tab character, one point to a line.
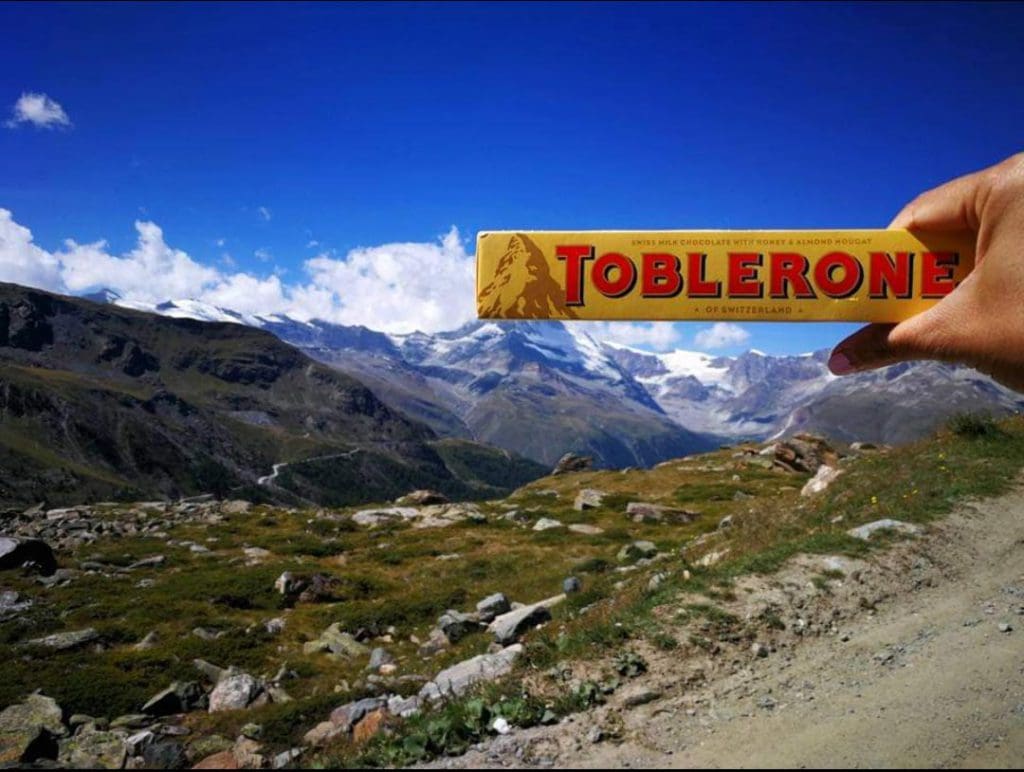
721	335
40	111
398	287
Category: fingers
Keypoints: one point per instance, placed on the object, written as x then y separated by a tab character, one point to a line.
956	205
945	331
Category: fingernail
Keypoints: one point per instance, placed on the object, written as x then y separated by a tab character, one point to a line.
840	364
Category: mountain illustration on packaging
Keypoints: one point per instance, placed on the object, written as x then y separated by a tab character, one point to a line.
523	287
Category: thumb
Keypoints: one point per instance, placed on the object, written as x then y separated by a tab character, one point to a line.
941	332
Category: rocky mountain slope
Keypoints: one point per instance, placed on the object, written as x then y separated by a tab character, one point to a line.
540	389
660	606
98	401
543	388
759	396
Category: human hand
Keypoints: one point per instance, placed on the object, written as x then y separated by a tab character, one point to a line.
981	322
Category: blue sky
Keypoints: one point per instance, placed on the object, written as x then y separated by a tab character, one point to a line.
265	143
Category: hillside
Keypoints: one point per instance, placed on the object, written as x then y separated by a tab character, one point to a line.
259	635
101	402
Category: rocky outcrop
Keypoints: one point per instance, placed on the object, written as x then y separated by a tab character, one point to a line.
459	678
30	729
571	462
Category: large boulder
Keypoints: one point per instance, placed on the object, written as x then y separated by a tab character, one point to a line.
29	730
179	697
642	512
572	462
492	606
459	678
588	498
93	750
16	552
236	692
507	627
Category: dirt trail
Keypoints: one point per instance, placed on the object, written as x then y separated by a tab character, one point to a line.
927	679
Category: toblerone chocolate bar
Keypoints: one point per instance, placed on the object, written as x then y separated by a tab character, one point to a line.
803	276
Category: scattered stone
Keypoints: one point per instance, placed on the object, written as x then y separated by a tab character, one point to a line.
595	735
235	692
236	507
435	643
29	730
656	581
247	753
252	731
34	554
374	517
285	583
66	641
865	532
725	522
767	703
206	634
275	626
509	626
165	754
220	760
179	697
639	695
212	672
500	726
151	562
379	657
637	550
571	462
858	447
93	750
570	585
1005	627
759	650
824	477
422	498
456	625
131	721
459	678
642	512
12	604
369	727
256	555
492	606
586	529
588	498
286	759
546	524
404	707
337	642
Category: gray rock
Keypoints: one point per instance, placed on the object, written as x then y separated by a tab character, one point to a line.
93	750
378	658
509	626
588	498
492	606
337	642
236	507
68	640
403	707
235	692
866	531
456	625
725	522
594	734
422	498
1005	627
571	462
151	562
212	672
29	730
642	512
824	477
460	678
12	604
570	585
638	695
286	759
586	529
374	517
36	554
165	754
179	697
637	550
546	524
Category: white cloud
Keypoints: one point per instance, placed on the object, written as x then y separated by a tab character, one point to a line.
264	213
39	110
398	287
721	335
655	336
262	254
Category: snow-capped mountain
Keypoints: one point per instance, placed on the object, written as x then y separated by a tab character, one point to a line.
544	388
758	396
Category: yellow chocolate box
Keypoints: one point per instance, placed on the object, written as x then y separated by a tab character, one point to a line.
818	275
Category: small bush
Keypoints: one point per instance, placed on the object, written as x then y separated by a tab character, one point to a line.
973	425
